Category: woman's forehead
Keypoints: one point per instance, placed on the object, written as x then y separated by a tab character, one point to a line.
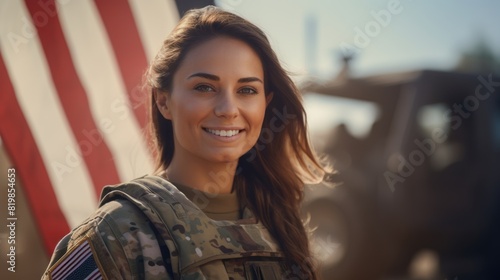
222	56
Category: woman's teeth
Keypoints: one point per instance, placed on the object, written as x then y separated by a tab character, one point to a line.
224	133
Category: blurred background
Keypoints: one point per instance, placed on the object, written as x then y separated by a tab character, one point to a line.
401	95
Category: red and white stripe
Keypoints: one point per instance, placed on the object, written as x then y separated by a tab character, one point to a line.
71	105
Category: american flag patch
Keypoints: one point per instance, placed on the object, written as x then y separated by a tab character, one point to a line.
79	264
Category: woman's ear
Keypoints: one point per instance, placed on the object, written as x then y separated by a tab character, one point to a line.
161	99
269	97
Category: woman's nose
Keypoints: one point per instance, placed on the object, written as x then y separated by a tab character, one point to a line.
226	106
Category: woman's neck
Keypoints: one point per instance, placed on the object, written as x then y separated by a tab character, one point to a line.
201	175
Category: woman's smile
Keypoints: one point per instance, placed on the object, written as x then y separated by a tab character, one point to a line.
225	133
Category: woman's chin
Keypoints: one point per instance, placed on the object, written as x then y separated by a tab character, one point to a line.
224	155
224	158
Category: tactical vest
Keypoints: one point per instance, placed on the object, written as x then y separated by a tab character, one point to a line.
199	247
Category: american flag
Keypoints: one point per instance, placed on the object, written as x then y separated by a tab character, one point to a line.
72	103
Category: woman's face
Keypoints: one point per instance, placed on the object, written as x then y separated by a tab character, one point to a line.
217	103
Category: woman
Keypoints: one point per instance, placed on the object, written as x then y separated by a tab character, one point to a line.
233	156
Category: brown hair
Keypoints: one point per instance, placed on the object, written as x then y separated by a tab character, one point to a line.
272	174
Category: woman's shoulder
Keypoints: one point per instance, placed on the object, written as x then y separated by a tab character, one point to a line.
109	217
116	219
120	216
112	237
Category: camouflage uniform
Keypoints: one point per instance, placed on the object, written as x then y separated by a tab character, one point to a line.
147	229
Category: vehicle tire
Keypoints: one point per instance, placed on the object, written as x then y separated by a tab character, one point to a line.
343	238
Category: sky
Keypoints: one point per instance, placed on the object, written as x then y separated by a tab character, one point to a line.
388	36
420	34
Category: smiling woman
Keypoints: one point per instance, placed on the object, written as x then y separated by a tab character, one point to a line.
216	105
233	157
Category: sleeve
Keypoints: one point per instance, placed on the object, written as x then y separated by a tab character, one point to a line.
119	243
82	255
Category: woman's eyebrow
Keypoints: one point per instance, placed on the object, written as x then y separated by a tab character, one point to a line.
249	79
204	75
216	78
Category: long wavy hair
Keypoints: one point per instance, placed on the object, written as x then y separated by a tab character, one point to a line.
271	176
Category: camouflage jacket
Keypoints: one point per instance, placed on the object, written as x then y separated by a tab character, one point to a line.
147	229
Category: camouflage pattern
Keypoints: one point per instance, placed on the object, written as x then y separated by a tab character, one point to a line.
147	229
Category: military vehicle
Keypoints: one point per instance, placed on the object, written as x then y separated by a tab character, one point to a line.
425	178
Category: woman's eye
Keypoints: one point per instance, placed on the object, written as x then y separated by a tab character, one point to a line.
247	90
204	88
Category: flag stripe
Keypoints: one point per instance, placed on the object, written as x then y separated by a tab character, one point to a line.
154	21
88	43
86	267
94	275
40	105
117	17
78	264
72	261
23	150
95	154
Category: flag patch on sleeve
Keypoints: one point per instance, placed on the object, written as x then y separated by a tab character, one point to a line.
79	264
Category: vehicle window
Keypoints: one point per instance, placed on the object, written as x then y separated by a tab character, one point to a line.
442	145
433	117
327	112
